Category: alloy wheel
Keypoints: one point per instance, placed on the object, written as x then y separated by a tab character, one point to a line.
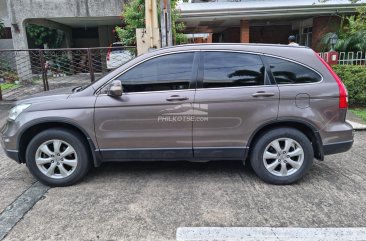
283	157
56	159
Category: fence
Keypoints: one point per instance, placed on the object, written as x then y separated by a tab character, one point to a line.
25	72
351	58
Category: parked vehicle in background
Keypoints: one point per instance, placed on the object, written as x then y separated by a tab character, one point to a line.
117	55
278	107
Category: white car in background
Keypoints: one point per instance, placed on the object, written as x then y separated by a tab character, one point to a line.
118	55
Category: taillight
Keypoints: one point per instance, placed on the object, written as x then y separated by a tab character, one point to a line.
109	52
343	94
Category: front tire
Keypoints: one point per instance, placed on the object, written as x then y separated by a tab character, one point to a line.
282	156
58	157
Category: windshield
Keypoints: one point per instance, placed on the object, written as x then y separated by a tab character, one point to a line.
80	88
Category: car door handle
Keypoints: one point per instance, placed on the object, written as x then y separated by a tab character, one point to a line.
176	98
263	94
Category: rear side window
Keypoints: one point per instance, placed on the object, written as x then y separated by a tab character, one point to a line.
224	69
286	72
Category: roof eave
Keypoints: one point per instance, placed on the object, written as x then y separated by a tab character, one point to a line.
272	11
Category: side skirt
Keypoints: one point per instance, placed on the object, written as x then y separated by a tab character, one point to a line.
173	154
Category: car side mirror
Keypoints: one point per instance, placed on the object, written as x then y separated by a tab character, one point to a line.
115	88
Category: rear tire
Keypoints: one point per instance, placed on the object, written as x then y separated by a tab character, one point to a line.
282	156
58	157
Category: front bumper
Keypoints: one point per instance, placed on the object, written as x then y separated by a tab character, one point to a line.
13	154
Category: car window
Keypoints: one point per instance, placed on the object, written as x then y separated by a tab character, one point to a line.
225	69
169	72
287	72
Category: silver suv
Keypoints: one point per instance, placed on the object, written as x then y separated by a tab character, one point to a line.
278	107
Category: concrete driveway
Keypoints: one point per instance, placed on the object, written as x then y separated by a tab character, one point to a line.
149	201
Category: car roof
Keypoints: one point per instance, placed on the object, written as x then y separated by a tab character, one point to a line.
250	47
232	45
300	54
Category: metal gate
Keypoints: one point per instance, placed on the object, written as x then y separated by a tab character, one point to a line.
25	72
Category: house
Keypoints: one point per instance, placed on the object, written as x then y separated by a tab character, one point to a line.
90	23
6	41
86	23
265	21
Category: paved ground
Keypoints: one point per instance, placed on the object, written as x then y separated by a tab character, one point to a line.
14	179
149	201
54	83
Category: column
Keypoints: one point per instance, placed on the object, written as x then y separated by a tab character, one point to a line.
209	38
244	31
22	59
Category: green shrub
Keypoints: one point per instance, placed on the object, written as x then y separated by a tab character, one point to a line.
5	86
354	77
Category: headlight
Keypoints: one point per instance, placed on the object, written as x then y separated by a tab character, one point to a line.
15	111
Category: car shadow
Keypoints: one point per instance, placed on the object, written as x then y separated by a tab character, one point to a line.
184	170
177	168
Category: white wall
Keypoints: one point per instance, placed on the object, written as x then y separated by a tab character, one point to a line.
6	44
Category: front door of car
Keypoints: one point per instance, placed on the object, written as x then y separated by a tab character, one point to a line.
235	95
150	119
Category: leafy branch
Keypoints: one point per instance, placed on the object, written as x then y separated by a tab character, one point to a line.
43	35
133	16
351	33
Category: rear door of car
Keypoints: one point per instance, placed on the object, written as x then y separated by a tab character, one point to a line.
235	96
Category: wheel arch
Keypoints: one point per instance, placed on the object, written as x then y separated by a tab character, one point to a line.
35	127
305	127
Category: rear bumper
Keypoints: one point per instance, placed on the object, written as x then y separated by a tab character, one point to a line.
338	147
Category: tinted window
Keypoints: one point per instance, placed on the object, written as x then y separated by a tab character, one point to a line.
286	72
170	72
223	69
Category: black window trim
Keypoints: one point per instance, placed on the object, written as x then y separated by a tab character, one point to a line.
267	78
192	83
295	62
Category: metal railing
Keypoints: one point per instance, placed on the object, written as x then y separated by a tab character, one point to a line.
25	72
350	58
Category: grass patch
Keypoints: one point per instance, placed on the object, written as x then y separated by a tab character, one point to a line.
359	112
6	86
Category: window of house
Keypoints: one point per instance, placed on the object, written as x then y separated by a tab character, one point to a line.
286	72
169	72
224	69
5	33
306	36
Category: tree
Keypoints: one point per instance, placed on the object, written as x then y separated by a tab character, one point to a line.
351	33
133	16
43	35
178	27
